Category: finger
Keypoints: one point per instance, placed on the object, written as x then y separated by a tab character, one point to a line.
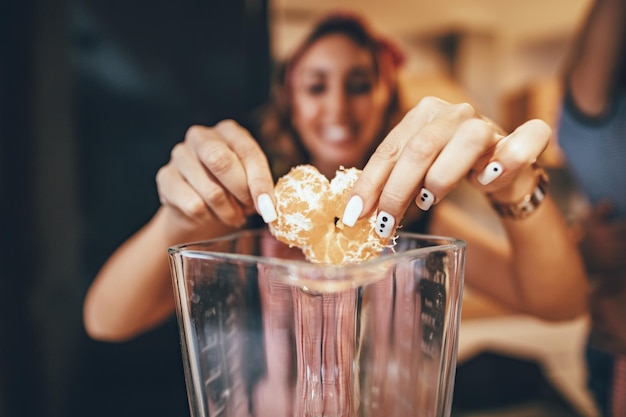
408	172
378	169
216	156
213	195
518	150
260	184
380	164
175	192
474	140
509	173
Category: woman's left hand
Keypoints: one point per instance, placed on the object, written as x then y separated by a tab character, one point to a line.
433	148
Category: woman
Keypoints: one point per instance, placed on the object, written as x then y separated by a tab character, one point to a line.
592	134
337	103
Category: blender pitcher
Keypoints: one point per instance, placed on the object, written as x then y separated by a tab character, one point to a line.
264	333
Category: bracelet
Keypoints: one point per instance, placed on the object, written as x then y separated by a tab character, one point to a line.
529	203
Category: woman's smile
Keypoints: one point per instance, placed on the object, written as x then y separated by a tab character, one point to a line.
337	134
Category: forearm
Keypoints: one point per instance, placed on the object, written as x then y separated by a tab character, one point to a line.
531	265
547	276
133	292
547	271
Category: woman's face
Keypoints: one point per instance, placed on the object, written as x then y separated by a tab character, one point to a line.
338	104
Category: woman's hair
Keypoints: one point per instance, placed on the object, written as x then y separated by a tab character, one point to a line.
278	136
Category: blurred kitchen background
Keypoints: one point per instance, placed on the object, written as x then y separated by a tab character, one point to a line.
95	93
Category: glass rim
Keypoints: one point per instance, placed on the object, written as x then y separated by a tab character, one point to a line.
191	250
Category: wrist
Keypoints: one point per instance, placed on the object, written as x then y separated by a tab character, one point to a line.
523	197
177	228
525	181
172	226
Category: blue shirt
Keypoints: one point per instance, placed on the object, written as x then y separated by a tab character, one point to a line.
596	150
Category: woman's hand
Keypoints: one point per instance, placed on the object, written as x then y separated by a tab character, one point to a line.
434	147
217	174
209	185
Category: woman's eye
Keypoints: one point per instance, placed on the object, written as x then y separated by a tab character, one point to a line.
315	89
359	88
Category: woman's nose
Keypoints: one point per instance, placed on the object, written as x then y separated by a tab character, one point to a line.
337	104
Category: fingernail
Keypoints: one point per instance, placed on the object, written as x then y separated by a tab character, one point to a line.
353	211
266	208
490	173
425	199
384	224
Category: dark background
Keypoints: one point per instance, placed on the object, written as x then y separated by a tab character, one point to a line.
93	95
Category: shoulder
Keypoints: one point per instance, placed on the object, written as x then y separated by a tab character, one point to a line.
571	113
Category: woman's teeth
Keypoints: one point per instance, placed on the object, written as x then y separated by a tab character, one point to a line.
335	133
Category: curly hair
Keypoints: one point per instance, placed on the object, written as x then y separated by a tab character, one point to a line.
280	139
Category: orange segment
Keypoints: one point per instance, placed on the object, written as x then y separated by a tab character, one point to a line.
309	209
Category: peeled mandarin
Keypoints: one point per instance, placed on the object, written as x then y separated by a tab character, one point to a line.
309	210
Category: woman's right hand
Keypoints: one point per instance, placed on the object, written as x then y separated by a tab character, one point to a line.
218	174
206	189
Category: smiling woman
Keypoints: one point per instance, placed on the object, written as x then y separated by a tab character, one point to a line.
336	103
335	98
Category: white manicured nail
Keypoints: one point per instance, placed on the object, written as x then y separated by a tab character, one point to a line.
353	211
384	224
266	208
425	199
490	173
